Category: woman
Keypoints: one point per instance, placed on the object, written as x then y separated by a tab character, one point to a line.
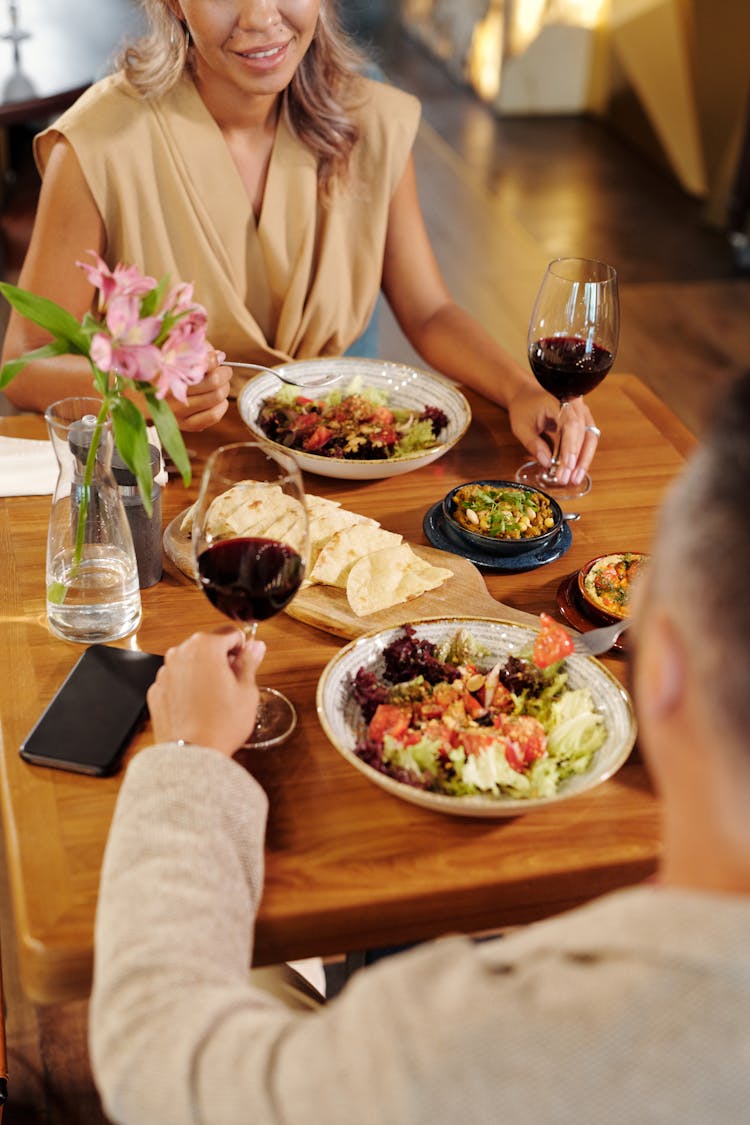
239	148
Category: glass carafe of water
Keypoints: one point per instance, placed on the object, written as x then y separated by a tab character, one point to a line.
92	574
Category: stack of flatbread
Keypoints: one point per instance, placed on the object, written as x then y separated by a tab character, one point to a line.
347	551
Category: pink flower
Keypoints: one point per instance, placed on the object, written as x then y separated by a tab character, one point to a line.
126	281
126	344
180	299
137	361
101	351
129	350
184	358
124	321
140	361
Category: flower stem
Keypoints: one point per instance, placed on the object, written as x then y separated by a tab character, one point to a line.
88	476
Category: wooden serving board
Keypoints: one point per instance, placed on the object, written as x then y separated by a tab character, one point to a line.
327	608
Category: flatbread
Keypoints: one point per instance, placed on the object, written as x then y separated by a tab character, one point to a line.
255	509
326	523
390	576
248	508
319	505
186	525
342	550
346	550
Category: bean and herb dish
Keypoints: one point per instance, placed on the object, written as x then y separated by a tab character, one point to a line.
502	513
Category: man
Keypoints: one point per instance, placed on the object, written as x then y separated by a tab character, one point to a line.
634	1008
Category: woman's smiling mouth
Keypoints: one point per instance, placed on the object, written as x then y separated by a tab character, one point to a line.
264	55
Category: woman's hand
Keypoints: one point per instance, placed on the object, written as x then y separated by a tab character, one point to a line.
207	401
205	692
533	413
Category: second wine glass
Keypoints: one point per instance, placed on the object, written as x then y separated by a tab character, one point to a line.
572	342
250	543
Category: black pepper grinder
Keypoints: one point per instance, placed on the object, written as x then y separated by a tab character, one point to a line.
146	530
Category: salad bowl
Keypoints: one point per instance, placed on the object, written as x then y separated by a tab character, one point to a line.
405	387
341	718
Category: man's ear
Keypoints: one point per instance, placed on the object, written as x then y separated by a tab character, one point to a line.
664	672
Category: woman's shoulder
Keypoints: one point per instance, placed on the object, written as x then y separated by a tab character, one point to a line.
108	110
111	93
384	102
388	120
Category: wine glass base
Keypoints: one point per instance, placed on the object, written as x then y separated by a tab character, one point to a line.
275	720
536	475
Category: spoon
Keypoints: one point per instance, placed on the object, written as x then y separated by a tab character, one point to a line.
310	380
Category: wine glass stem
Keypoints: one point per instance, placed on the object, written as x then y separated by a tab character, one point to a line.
555	462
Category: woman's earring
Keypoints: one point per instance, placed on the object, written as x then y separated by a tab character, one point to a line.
187	41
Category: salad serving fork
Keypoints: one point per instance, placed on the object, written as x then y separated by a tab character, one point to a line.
311	381
598	641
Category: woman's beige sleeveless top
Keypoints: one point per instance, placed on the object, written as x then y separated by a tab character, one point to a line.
301	281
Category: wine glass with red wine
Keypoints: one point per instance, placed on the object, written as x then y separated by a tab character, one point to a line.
572	341
250	543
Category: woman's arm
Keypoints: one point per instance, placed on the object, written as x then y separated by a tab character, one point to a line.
67	225
454	342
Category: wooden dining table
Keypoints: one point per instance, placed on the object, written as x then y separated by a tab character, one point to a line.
348	866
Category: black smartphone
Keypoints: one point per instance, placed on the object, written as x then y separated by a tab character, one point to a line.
95	712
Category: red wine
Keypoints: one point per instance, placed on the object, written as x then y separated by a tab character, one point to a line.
567	366
250	579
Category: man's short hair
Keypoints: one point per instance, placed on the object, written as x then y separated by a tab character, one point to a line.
701	563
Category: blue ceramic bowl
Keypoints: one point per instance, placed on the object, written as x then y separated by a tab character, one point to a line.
502	547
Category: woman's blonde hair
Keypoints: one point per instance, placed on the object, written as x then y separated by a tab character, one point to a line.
319	102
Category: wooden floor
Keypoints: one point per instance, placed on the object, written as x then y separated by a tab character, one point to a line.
501	198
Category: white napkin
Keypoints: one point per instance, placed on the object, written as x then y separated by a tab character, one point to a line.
27	467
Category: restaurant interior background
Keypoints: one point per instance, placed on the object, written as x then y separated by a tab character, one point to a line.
549	127
612	128
609	128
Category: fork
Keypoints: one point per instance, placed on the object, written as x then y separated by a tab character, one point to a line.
310	381
597	641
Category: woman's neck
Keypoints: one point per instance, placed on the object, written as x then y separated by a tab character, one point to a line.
234	112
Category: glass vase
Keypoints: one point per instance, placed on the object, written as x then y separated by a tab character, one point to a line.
92	574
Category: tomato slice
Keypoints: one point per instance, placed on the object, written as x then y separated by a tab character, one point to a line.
389	718
526	733
553	642
320	436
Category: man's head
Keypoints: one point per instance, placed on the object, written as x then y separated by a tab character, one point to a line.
692	662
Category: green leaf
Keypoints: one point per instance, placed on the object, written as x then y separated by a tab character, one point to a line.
151	302
167	324
129	428
56	592
13	366
169	433
57	321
